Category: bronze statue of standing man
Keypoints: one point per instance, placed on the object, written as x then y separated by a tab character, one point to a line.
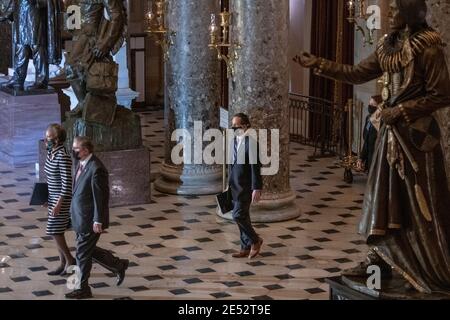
405	218
37	36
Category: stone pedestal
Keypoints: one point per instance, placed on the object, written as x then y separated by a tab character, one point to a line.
261	90
192	94
342	288
129	175
23	121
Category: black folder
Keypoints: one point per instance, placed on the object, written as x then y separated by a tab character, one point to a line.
40	194
225	201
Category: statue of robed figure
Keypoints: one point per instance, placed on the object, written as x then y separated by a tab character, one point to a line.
405	215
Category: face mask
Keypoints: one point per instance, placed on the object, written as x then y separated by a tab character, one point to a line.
238	131
50	144
76	155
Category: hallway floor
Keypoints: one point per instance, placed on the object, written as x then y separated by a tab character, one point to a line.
180	249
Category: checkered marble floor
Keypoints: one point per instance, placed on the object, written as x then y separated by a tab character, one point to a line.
180	249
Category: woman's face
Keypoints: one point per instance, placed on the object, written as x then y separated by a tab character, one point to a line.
396	21
50	135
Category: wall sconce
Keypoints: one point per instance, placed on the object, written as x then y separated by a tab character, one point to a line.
220	40
358	15
156	26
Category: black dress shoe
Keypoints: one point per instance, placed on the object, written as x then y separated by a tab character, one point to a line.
80	294
121	273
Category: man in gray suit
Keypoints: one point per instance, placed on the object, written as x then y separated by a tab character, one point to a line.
90	216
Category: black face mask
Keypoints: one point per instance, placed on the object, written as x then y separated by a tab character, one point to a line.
239	131
372	109
50	144
76	155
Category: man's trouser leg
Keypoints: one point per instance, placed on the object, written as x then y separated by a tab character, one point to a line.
41	65
86	244
21	59
241	215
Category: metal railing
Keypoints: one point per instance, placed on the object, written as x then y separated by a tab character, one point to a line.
319	123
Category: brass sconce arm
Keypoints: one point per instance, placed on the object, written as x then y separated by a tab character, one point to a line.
156	26
220	39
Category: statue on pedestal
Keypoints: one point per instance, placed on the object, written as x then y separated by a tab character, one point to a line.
36	35
405	218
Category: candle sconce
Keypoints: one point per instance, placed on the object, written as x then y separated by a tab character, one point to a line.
156	26
365	19
220	40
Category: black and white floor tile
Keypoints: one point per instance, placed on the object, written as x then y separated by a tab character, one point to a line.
179	247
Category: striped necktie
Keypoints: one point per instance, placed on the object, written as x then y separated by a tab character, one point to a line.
235	151
80	170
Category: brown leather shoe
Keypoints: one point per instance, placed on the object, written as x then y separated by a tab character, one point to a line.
241	254
256	248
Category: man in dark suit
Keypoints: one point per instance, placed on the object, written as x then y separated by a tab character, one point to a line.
90	217
370	135
245	183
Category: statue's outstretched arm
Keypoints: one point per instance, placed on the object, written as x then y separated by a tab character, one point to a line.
367	70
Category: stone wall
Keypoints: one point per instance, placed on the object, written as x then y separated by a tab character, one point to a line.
439	18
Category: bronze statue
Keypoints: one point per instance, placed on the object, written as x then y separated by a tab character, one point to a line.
90	68
405	219
93	75
36	35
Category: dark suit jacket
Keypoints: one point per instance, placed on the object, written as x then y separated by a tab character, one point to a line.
370	136
90	201
244	178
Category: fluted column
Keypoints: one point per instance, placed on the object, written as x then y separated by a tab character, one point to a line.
192	94
261	90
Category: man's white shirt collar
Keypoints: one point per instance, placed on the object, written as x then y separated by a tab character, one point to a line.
84	162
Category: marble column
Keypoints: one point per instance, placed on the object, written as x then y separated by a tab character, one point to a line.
261	90
192	94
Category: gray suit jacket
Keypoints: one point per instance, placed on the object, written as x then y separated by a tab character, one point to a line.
90	201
